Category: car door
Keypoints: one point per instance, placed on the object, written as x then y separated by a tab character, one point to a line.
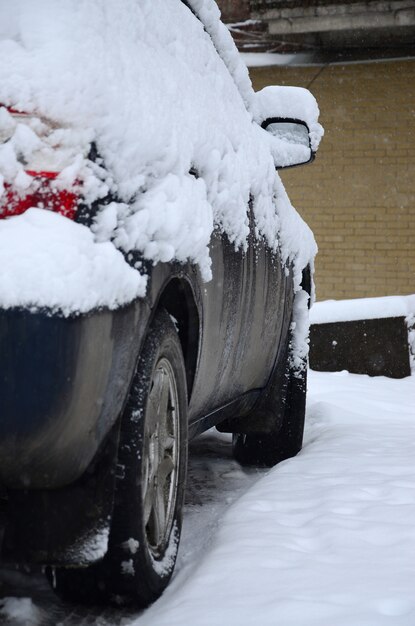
242	313
241	307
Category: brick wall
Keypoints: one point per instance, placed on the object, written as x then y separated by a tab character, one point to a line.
359	194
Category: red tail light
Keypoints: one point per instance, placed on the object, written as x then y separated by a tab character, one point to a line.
59	201
46	194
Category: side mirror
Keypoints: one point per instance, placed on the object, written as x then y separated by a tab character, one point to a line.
290	116
293	137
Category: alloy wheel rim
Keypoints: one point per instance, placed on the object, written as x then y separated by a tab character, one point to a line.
160	457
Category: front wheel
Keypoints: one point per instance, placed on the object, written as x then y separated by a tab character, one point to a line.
152	460
268	449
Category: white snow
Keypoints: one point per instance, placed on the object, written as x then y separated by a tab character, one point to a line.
290	102
50	261
300	326
142	79
92	547
362	309
21	610
166	564
410	322
127	568
31	144
324	539
237	25
131	545
209	14
267	59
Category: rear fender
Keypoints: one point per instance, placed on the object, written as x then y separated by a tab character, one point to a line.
66	526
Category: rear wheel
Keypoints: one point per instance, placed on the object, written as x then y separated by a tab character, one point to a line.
152	459
268	449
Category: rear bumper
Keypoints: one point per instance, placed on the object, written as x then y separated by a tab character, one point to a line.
63	382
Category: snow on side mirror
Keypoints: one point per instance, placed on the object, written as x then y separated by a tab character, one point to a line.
294	139
290	116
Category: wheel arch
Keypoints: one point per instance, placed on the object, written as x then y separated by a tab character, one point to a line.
178	298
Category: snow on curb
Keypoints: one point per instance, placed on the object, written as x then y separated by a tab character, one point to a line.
362	309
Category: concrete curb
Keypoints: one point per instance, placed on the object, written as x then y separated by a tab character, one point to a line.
377	347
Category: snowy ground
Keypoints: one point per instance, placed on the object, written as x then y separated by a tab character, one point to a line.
326	539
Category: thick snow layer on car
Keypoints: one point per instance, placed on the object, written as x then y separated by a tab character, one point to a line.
362	309
49	261
326	538
142	80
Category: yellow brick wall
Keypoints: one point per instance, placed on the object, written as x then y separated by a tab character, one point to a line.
359	194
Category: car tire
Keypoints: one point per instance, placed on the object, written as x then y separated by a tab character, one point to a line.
152	460
268	449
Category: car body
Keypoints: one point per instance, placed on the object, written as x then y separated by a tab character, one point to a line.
218	285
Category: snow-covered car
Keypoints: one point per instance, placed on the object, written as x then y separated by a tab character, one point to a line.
155	279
